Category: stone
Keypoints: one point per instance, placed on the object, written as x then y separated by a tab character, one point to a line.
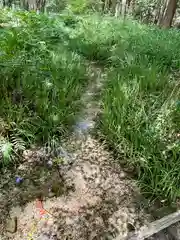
122	175
51	194
11	225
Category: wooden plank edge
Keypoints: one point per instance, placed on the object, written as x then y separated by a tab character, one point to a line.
154	227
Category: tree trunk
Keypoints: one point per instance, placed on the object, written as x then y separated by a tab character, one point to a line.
123	8
169	14
132	4
7	3
128	3
118	8
40	5
106	6
113	6
36	5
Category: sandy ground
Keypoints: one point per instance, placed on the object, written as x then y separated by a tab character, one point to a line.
100	204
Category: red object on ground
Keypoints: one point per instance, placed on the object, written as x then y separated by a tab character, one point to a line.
39	206
42	211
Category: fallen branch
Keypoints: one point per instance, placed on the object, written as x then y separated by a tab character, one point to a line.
154	227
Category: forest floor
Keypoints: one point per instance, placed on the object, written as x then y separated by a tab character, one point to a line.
84	195
81	185
88	197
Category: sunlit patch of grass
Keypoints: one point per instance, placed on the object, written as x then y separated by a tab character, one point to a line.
43	77
138	123
111	40
41	81
139	109
140	116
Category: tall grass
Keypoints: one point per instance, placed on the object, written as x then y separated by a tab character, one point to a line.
138	120
140	101
41	80
139	108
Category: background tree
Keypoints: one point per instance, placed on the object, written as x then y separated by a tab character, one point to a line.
168	14
7	3
159	12
37	5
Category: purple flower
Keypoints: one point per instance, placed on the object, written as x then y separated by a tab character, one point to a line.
19	180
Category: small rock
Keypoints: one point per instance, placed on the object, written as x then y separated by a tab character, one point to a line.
122	175
51	194
11	225
50	163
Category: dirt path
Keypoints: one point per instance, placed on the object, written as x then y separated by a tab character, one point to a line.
82	194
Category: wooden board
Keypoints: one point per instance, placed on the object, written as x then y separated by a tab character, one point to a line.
154	227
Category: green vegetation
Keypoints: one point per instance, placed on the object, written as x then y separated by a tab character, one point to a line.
140	101
43	76
41	81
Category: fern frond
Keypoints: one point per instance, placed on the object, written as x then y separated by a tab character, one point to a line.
6	151
17	143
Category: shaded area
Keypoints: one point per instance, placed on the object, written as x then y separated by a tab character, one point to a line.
41	178
41	82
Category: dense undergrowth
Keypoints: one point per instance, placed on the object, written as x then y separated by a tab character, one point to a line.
41	81
43	76
141	108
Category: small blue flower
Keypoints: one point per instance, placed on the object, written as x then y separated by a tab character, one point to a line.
19	180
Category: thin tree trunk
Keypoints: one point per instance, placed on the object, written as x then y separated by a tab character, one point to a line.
106	6
40	5
132	6
7	3
129	6
123	8
113	6
169	14
118	8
